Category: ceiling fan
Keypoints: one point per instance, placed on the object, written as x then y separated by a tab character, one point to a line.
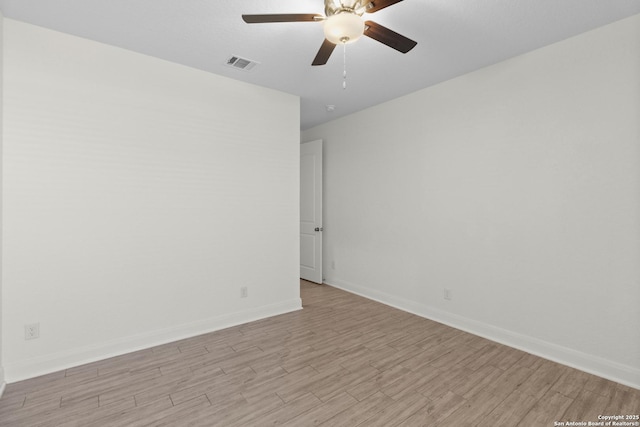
343	24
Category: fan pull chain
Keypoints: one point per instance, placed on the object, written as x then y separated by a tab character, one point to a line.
344	74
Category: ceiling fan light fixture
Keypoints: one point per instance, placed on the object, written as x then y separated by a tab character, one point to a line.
343	23
343	28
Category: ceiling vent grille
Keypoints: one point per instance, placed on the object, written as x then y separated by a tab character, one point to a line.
241	63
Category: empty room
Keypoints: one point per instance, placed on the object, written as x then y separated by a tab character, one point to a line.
338	213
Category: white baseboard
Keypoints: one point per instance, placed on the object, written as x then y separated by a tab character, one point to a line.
592	364
3	384
37	366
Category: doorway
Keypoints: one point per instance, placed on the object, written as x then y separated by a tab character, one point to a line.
311	211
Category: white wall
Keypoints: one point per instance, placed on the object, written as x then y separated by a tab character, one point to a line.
139	196
2	383
517	187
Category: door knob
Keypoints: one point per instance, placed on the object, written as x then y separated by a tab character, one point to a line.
318	229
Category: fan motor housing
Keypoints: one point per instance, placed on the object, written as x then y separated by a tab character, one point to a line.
334	7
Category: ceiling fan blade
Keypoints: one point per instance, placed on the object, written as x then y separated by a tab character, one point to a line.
287	17
388	37
324	53
376	5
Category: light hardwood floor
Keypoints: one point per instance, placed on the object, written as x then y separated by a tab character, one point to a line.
342	361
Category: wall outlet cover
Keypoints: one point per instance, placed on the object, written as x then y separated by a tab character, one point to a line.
32	331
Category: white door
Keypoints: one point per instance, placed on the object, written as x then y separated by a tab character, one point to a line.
311	211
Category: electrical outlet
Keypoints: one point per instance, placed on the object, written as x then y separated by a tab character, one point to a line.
32	331
244	292
447	294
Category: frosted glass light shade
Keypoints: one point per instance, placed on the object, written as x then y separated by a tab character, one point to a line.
343	28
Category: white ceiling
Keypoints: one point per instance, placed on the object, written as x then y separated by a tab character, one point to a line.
454	37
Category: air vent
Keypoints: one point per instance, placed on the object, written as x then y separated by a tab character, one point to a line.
241	63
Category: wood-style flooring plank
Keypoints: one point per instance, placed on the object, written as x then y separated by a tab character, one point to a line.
360	411
435	411
549	409
472	411
586	406
510	411
281	415
396	412
510	380
324	412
